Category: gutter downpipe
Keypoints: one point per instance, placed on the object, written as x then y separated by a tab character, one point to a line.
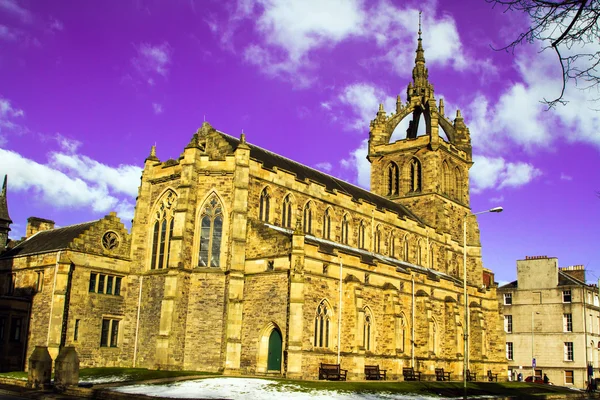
52	297
412	333
585	332
137	323
339	343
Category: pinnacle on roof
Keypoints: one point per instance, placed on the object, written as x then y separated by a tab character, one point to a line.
420	52
4	217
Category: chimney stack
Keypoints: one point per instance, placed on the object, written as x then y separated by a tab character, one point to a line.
35	225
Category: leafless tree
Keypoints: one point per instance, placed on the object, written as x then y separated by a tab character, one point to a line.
570	29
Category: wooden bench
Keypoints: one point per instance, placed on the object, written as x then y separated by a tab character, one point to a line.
492	377
440	375
410	374
332	372
471	376
372	372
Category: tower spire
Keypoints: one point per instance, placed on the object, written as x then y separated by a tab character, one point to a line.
420	58
420	85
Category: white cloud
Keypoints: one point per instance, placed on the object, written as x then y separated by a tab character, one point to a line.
152	60
326	105
56	25
70	180
565	177
324	166
66	144
364	100
357	163
158	109
7	33
498	199
496	172
9	119
13	7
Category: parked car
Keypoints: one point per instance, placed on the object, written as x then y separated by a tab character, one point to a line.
538	379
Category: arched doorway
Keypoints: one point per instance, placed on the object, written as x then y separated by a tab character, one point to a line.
274	359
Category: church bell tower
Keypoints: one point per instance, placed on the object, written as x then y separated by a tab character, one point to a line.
428	174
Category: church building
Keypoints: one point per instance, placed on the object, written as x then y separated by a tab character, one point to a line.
242	261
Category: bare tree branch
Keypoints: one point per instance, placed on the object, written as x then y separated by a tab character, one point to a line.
568	27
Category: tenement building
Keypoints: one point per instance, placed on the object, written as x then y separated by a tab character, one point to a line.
551	316
243	261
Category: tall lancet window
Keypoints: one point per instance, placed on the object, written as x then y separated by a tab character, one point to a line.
405	255
458	185
286	214
446	179
361	235
415	175
326	225
345	229
367	330
377	244
322	319
211	231
163	231
308	218
264	205
393	179
392	245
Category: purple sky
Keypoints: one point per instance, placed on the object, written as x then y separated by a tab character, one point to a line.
86	87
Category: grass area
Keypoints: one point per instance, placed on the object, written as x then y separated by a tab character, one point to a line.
116	374
517	390
21	375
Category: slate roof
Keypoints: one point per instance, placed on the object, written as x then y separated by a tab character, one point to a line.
48	241
270	160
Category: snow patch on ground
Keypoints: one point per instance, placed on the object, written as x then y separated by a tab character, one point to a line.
106	379
251	389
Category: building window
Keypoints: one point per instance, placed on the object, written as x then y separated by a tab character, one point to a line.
367	277
345	228
367	330
103	283
568	322
286	214
361	235
393	179
509	350
322	319
566	296
2	328
377	247
392	246
458	184
507	299
325	268
211	231
264	205
326	225
568	351
39	284
11	284
569	377
76	330
415	175
110	333
419	254
405	255
163	231
508	323
307	218
15	329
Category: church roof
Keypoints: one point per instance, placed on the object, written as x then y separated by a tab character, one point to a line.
48	241
271	160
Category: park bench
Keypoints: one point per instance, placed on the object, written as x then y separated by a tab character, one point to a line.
471	376
492	377
332	372
372	372
410	374
440	375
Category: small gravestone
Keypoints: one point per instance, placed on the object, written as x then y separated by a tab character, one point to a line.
40	368
66	368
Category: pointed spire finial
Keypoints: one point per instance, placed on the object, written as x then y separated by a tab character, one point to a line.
420	12
4	187
153	151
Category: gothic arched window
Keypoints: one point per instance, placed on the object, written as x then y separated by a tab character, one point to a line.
405	249
367	330
264	205
326	225
286	215
322	319
392	245
446	181
163	231
393	179
415	175
361	235
345	229
377	237
211	231
458	185
419	253
307	218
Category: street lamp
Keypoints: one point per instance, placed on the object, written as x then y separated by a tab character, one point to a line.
533	313
466	311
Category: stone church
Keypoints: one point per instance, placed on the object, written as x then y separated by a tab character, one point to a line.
242	261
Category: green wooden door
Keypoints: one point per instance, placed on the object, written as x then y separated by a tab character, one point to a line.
274	361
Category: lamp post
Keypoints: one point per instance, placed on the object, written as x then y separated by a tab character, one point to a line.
466	304
532	347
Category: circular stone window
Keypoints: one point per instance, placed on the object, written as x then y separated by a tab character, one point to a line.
110	240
